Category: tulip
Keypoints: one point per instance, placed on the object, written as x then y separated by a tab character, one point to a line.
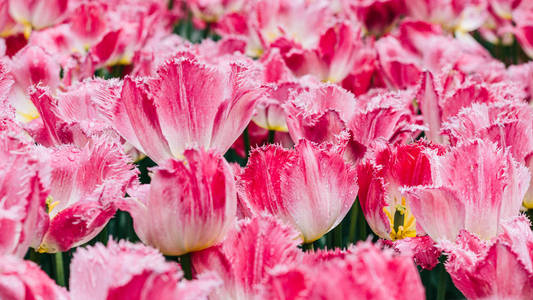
310	187
85	184
37	14
188	206
506	123
387	211
325	111
479	187
496	269
122	270
21	279
363	271
244	260
23	190
30	66
189	104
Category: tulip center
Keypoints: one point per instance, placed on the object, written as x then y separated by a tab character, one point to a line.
402	221
51	203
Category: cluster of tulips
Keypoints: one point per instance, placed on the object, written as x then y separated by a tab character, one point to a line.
266	149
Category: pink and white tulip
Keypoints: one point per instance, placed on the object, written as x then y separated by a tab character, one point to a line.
505	123
387	211
32	65
189	104
189	205
24	188
496	269
21	279
122	270
363	271
480	186
248	255
84	186
309	187
324	112
37	14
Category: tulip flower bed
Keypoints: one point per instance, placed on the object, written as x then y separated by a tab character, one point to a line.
266	149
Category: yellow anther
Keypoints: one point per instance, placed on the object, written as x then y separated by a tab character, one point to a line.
402	222
51	203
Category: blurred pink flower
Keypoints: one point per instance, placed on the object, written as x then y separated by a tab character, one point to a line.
122	270
21	279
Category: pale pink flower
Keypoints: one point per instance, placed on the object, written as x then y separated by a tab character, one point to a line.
37	14
509	124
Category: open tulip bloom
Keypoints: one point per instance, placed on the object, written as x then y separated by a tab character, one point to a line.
266	149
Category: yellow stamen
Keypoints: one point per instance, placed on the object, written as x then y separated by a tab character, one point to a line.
402	222
51	203
27	29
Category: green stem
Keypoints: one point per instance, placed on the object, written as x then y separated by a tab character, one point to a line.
60	272
338	235
246	139
185	261
353	222
271	135
104	235
362	223
308	247
441	288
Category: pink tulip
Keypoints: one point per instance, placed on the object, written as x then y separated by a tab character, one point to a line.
21	279
73	116
23	190
479	187
341	56
37	13
387	211
31	65
377	15
309	187
506	123
89	22
322	113
461	16
363	271
244	260
496	269
188	206
122	270
212	10
189	104
85	184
